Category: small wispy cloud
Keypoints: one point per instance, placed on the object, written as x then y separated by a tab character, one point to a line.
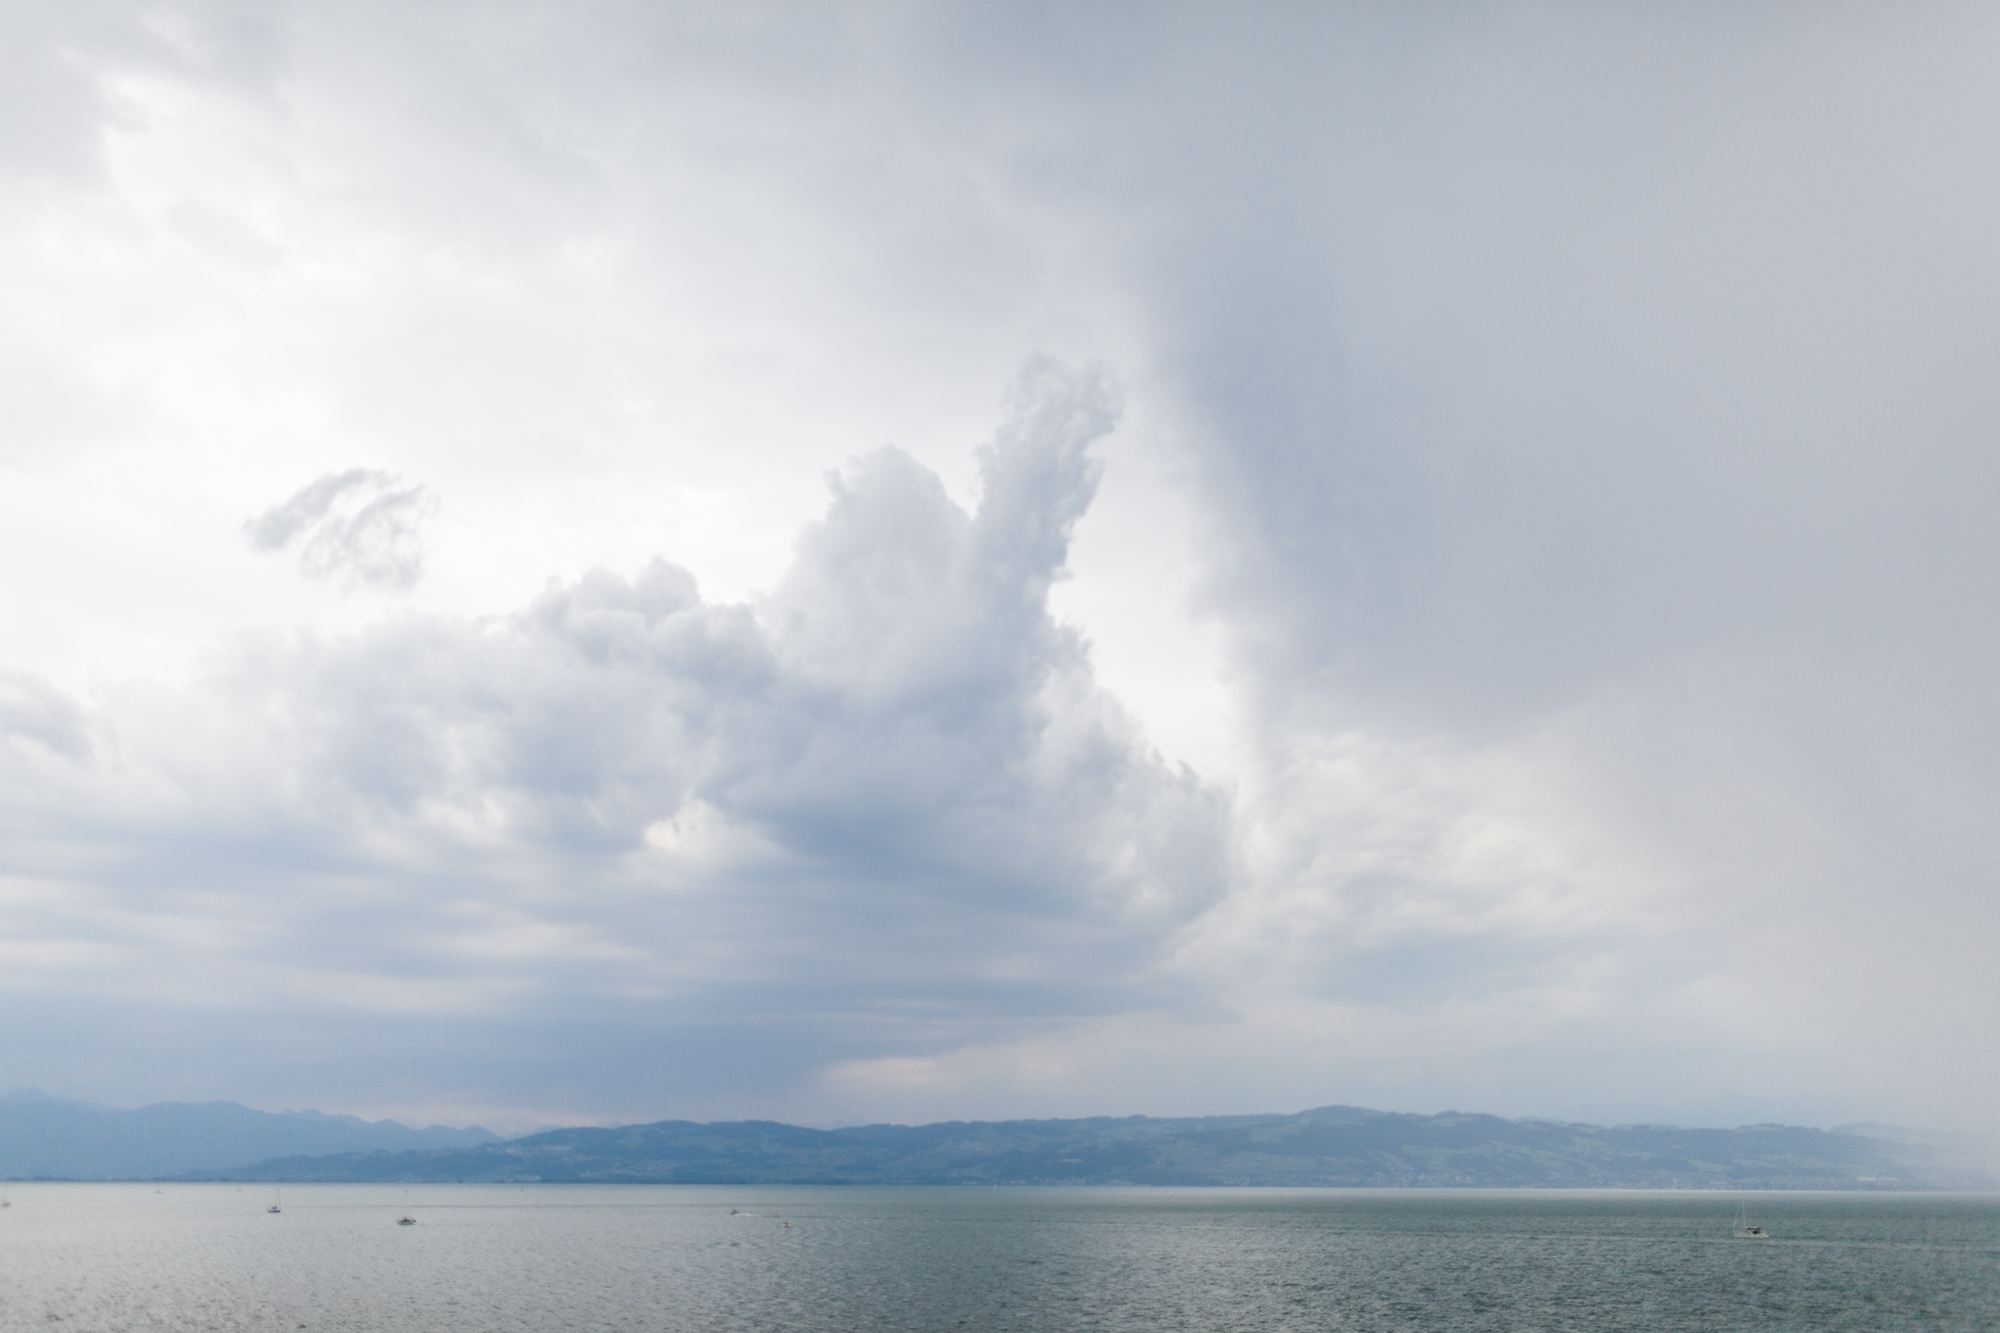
363	524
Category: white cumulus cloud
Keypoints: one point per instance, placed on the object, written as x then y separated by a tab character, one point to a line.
888	804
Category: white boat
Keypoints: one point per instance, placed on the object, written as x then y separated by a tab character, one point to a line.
276	1199
1745	1229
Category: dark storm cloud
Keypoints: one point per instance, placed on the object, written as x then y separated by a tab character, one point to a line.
1506	399
1598	387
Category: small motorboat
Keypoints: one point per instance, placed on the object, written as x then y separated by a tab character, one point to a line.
406	1221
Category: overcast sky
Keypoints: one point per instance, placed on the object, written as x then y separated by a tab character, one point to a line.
605	561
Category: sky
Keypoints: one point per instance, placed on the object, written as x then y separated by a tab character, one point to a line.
597	562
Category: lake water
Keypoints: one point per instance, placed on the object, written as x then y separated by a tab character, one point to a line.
557	1257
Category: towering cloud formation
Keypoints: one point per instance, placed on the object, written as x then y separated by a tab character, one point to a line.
889	799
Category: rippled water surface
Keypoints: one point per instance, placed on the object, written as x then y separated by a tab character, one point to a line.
555	1257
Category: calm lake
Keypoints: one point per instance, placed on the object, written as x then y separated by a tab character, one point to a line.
566	1257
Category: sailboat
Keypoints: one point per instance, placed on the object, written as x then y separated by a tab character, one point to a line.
276	1199
1745	1230
406	1220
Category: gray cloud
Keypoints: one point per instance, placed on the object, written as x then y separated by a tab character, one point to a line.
59	65
1588	423
34	710
360	524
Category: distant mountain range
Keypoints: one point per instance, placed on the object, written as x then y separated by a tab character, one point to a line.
1334	1145
48	1138
44	1137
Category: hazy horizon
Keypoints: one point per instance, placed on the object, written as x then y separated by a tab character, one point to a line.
519	1129
892	562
